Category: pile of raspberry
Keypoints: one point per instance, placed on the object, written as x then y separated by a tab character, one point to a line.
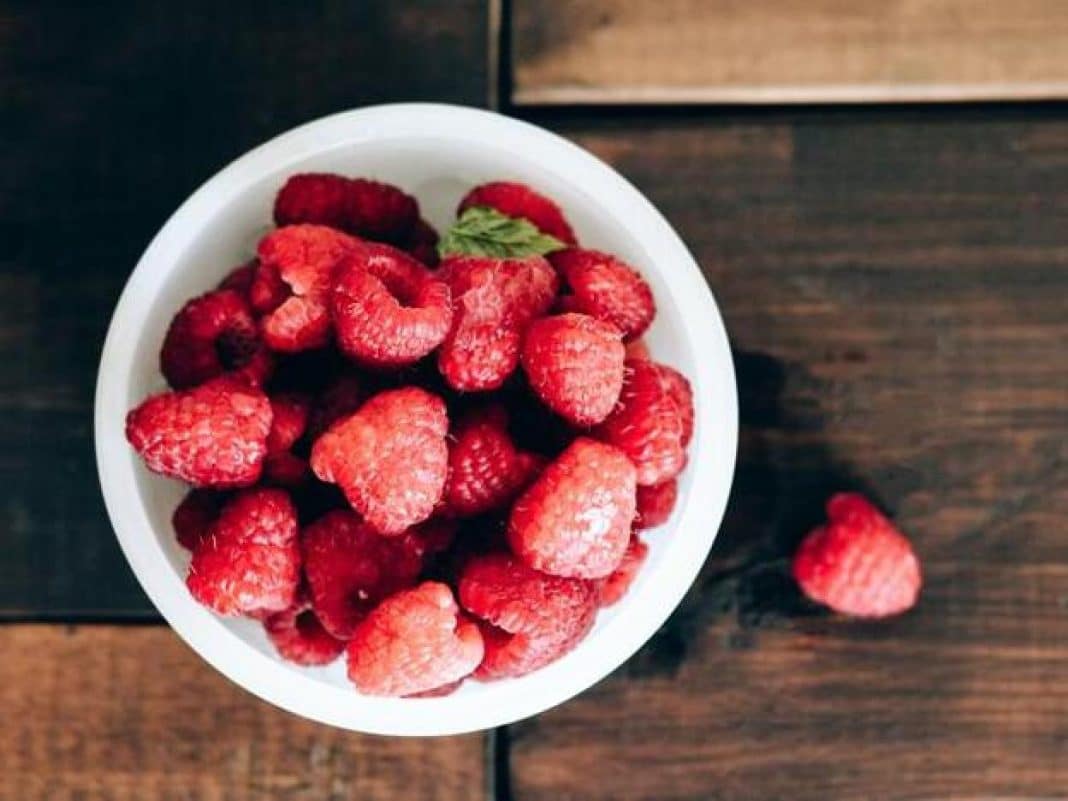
433	457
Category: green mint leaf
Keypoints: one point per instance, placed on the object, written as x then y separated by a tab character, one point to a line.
482	231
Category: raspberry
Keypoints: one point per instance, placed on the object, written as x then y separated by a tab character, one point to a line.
858	563
356	205
575	365
429	538
485	470
606	288
211	335
681	393
415	641
422	243
637	349
493	302
387	309
350	568
518	200
240	278
194	516
292	285
575	518
212	436
529	619
655	503
285	469
250	560
615	586
299	637
281	466
646	424
389	458
344	395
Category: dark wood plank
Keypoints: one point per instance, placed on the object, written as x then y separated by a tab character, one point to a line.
111	114
788	51
131	713
894	285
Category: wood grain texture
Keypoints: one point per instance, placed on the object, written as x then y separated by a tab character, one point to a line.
110	115
787	51
894	287
102	713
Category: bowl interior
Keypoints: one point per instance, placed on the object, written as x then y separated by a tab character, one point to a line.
438	169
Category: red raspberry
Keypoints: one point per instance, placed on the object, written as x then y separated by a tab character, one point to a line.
240	278
637	349
194	516
606	288
646	424
615	586
356	205
299	637
211	335
343	396
389	458
575	519
429	539
681	393
422	243
289	421
575	365
858	564
414	641
485	470
387	309
655	503
212	436
292	285
529	618
350	568
494	301
285	469
250	560
519	200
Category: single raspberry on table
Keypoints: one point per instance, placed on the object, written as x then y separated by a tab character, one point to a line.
414	641
486	471
388	309
211	335
240	278
292	285
249	562
514	199
389	458
612	588
575	519
358	206
422	243
606	288
575	365
299	637
212	436
194	516
528	618
350	568
858	564
647	424
655	503
494	301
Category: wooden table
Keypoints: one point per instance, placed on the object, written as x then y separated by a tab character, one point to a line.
895	282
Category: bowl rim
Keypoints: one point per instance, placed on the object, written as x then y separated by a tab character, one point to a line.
712	455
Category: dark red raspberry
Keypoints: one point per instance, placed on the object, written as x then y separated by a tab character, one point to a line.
293	282
485	470
422	243
575	365
519	200
430	538
575	518
615	586
414	641
389	458
299	637
343	396
318	198
211	335
240	278
357	205
285	469
529	619
494	301
606	288
250	560
350	568
647	424
212	436
655	504
282	466
858	563
194	516
380	211
388	310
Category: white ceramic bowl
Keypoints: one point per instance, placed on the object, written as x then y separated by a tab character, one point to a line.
436	152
